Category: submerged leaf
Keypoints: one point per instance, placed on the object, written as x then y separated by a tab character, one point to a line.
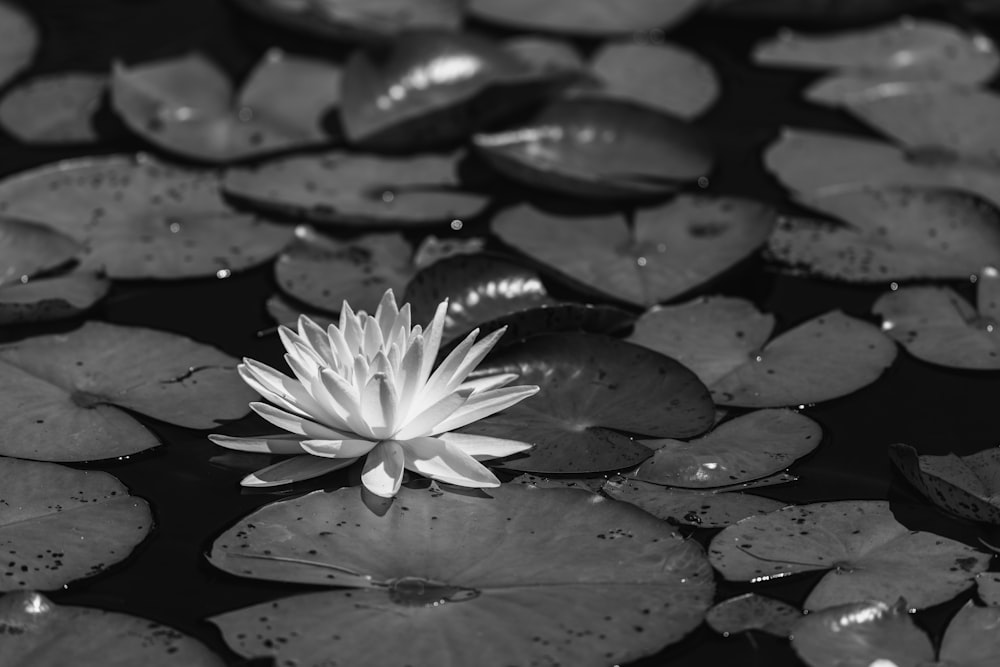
47	299
54	109
18	40
968	486
753	612
58	525
593	18
27	248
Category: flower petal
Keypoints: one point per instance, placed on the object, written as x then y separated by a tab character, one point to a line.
276	387
437	385
379	406
281	443
298	425
384	467
445	462
387	312
350	326
483	447
324	407
343	356
317	339
373	339
294	469
425	423
432	341
338	449
484	404
482	384
408	376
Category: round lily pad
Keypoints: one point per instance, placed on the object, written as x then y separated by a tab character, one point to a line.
750	446
138	218
54	109
667	251
869	555
61	395
592	18
47	299
40	633
27	248
361	190
187	105
58	524
593	387
599	147
988	588
545	53
967	486
18	41
753	612
551	575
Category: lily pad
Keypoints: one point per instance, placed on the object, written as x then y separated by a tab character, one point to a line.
750	446
821	12
548	574
47	299
599	148
937	325
54	109
360	190
869	555
138	218
58	524
668	251
592	388
545	53
753	612
286	313
988	588
968	486
40	633
187	105
590	484
62	394
27	248
591	18
18	41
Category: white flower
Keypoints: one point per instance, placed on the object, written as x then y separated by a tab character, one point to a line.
366	388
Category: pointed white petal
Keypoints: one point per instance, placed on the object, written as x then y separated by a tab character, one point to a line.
425	423
294	470
386	312
479	406
401	329
484	447
298	425
343	355
322	407
373	340
443	461
408	377
474	357
338	449
362	373
317	339
347	397
351	328
486	383
432	341
384	467
437	384
379	406
276	387
299	348
282	443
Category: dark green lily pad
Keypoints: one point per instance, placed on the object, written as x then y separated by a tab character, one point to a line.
58	524
598	147
61	395
138	218
753	612
18	40
187	105
988	588
590	484
590	385
40	633
547	575
360	190
27	248
48	299
937	325
668	251
750	446
870	555
54	109
545	53
592	18
968	486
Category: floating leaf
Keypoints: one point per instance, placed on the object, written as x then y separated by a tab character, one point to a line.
434	249
544	53
750	446
599	148
550	575
703	509
287	313
753	612
592	18
669	250
988	588
27	248
48	299
323	272
58	524
55	109
138	218
590	385
591	484
870	555
40	633
824	12
359	190
18	41
968	486
61	394
187	105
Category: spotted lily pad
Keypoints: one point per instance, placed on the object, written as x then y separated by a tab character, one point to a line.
40	633
54	109
988	588
47	299
61	395
592	388
599	148
869	555
753	612
18	41
187	105
669	250
593	18
58	524
138	218
27	248
937	325
722	340
359	190
547	575
968	486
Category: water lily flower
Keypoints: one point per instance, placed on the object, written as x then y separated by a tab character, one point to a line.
368	388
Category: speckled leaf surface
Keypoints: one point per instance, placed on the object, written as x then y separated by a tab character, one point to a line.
988	588
593	18
54	109
18	40
669	250
592	387
869	555
359	190
39	633
753	612
58	524
586	589
27	248
61	393
702	509
750	446
48	299
141	219
968	486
